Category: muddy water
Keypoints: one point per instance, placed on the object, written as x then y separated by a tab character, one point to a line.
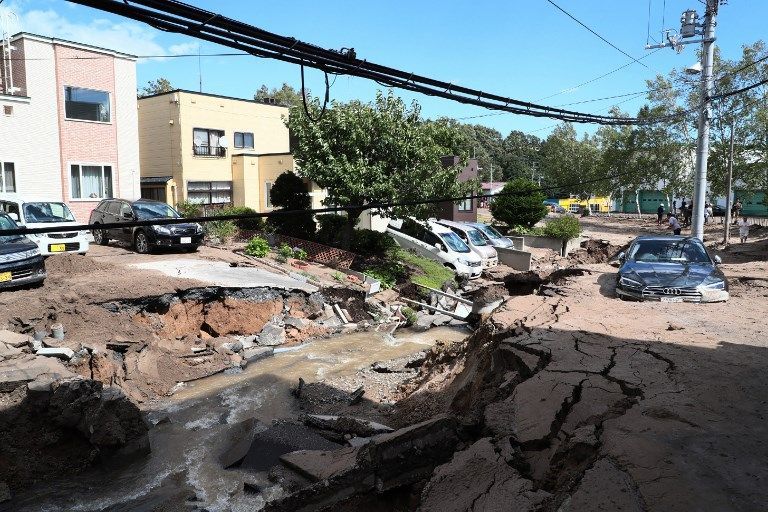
184	462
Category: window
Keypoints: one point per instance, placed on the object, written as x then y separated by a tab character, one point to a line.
8	110
91	181
154	193
86	104
465	205
207	142
113	207
209	192
125	211
8	177
268	193
244	140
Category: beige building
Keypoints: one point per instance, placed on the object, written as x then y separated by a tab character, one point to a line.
211	149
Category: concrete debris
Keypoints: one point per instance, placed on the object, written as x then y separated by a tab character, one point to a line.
9	351
356	396
605	487
232	346
423	322
272	335
346	425
62	353
19	371
251	355
296	323
14	339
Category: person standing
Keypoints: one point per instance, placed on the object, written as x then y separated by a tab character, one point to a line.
708	213
736	210
659	214
674	225
743	229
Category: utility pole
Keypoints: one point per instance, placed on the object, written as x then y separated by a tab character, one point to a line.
690	27
728	185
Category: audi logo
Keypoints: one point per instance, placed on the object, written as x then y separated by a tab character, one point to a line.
671	291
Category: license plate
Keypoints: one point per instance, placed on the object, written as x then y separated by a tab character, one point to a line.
5	276
671	299
57	247
186	240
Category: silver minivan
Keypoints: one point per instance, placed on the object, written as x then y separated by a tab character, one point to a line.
474	240
490	233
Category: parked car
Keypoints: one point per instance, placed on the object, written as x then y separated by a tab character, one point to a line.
475	240
670	269
43	214
144	239
431	240
20	260
490	233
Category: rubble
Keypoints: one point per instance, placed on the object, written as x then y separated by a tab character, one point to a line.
14	339
62	353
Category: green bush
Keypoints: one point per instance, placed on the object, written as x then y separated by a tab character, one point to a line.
285	251
188	209
224	230
257	246
387	272
368	242
434	274
409	314
565	227
300	254
254	223
524	230
331	228
289	193
521	203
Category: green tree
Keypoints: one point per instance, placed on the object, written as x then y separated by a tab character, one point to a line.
286	95
520	156
158	86
289	193
521	203
365	153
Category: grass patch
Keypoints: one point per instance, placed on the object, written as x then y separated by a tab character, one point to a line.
434	273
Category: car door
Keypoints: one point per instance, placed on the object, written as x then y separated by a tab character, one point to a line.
111	216
126	215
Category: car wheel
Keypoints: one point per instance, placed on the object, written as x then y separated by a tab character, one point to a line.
100	237
141	243
448	265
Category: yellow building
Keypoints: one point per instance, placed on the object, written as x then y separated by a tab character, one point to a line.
211	149
595	204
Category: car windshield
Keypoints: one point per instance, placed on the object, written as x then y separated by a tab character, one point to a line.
671	251
146	211
7	223
476	237
47	213
489	231
453	241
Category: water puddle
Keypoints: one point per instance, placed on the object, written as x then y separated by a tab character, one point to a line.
195	426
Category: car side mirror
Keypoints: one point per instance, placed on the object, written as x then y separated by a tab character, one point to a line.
718	260
622	257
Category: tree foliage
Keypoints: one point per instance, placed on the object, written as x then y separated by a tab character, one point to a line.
368	153
289	193
286	95
157	86
521	203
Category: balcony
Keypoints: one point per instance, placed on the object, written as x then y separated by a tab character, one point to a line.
212	151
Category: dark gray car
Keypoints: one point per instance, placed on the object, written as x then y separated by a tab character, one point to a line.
670	269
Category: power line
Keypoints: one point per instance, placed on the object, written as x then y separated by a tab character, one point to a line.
595	33
174	16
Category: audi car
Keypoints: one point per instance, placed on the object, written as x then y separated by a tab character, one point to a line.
144	239
20	260
670	269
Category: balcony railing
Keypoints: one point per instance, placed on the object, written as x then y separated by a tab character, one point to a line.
214	151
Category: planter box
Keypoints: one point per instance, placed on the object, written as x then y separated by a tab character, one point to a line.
518	260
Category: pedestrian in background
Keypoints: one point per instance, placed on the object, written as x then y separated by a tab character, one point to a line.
659	214
687	211
736	210
674	225
743	229
708	213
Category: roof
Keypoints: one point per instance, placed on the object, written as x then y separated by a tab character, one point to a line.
156	179
74	44
196	93
493	184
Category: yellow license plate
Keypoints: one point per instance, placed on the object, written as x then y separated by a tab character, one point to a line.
58	248
5	276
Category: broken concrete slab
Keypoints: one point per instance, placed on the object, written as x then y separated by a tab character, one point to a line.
9	351
296	323
62	353
269	445
14	339
605	487
19	371
479	479
423	322
272	335
256	353
441	319
320	465
346	425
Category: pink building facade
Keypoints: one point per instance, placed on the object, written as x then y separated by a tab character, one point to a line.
68	123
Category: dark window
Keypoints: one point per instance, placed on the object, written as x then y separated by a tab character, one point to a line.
431	238
113	207
8	110
208	142
8	177
125	209
154	193
86	104
244	140
465	205
209	192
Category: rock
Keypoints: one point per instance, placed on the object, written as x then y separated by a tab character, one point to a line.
19	371
41	387
605	487
62	353
675	327
232	346
251	355
423	322
281	438
356	396
35	345
5	492
328	311
198	350
440	319
272	335
14	339
346	425
9	351
296	323
236	359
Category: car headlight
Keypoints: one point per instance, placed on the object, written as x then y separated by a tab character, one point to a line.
163	230
714	285
629	283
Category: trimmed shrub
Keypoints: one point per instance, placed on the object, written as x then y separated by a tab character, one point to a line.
255	223
368	242
289	192
522	203
224	230
285	251
257	246
188	209
331	227
565	228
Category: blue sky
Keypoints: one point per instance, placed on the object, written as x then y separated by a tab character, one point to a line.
525	49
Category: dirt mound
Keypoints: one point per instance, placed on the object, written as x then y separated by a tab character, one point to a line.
596	251
68	264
